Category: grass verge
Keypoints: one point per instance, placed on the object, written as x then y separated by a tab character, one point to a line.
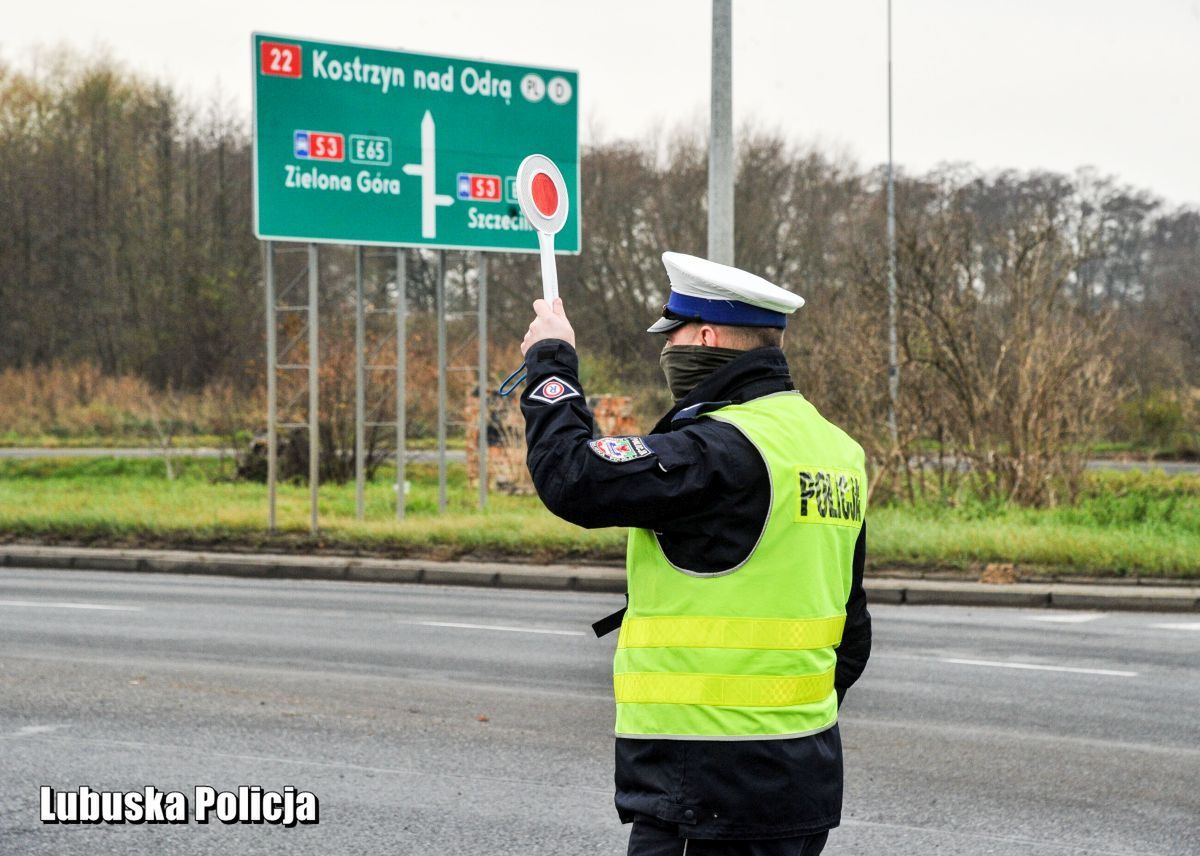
1126	524
13	440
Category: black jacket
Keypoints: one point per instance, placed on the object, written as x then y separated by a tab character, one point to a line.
704	488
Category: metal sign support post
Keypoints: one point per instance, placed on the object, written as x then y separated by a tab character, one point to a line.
272	359
401	379
360	391
441	384
483	382
287	360
314	438
368	365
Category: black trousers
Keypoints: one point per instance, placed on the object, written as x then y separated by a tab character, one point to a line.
648	839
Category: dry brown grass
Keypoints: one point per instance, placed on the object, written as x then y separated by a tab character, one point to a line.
44	403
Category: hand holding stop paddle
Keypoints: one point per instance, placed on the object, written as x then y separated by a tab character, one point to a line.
542	195
550	323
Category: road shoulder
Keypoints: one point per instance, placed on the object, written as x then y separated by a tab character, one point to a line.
881	587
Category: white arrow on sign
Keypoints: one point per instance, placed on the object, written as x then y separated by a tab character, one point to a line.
426	169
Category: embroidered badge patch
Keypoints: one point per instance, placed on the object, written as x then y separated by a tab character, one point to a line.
618	450
553	390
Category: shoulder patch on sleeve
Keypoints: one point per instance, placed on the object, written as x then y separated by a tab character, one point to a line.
553	390
619	450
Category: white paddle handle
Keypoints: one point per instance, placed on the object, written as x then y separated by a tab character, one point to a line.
549	269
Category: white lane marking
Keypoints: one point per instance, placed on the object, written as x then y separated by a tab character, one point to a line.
1115	673
1066	617
29	730
461	626
1185	625
41	604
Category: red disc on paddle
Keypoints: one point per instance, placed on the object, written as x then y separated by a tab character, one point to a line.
545	194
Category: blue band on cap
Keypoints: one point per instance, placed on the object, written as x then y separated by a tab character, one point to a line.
732	312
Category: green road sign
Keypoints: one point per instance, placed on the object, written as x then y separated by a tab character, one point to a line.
357	145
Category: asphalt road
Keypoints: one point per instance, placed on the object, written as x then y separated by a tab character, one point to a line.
1171	468
433	720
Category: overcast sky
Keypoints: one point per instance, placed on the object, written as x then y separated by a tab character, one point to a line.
1053	84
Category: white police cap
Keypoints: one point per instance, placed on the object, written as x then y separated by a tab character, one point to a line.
702	290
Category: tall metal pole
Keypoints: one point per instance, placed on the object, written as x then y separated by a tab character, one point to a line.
314	438
893	362
483	382
441	381
360	388
272	361
720	146
401	378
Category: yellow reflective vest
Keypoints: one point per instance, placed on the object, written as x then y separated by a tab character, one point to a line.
749	652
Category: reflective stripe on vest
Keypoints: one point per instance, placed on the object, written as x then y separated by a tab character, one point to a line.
724	690
715	632
750	653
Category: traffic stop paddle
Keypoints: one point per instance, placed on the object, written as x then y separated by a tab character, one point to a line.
542	195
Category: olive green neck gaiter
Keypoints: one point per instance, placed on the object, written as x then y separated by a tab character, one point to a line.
686	365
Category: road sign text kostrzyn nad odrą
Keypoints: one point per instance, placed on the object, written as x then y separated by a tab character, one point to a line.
360	145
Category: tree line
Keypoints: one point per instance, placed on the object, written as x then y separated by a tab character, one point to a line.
1038	312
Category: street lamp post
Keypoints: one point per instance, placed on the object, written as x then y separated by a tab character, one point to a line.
893	362
720	145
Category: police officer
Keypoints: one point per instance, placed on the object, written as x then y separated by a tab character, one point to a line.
746	620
